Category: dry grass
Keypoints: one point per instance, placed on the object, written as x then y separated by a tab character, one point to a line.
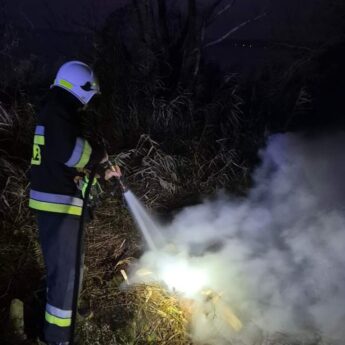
20	255
164	180
159	317
13	197
146	314
111	244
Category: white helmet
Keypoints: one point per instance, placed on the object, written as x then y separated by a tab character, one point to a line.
77	78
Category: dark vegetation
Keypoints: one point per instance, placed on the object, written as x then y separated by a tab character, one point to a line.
181	128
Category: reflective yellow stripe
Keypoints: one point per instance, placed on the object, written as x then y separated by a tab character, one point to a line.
39	140
85	157
66	84
54	320
57	208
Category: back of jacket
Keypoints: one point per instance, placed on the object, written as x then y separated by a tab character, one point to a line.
59	151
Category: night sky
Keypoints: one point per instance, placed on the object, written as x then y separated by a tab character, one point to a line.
67	15
56	26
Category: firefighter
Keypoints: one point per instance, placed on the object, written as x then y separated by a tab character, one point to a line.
59	154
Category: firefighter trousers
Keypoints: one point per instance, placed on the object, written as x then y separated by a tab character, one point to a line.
58	235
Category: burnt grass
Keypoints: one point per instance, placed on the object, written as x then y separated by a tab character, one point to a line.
181	128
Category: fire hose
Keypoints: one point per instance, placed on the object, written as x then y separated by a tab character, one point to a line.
80	244
79	256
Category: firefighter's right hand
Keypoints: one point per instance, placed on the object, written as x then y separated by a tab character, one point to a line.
114	171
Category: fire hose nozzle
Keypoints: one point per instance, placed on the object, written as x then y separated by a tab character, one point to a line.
122	184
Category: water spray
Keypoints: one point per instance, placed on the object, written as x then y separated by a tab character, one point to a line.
145	223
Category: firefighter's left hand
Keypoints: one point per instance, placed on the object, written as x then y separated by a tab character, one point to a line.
115	171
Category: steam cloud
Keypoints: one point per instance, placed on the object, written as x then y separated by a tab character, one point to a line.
277	255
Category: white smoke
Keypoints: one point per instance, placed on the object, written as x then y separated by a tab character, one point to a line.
277	256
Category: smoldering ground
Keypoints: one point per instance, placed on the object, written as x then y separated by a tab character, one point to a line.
277	256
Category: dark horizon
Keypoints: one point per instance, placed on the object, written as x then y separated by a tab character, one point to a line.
68	16
49	30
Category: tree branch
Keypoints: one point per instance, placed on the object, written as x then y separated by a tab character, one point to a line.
213	7
233	30
214	16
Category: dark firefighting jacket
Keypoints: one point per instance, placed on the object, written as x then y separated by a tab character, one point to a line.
59	152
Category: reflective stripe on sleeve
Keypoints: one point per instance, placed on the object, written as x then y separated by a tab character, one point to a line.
54	320
87	150
58	312
76	154
39	130
80	155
